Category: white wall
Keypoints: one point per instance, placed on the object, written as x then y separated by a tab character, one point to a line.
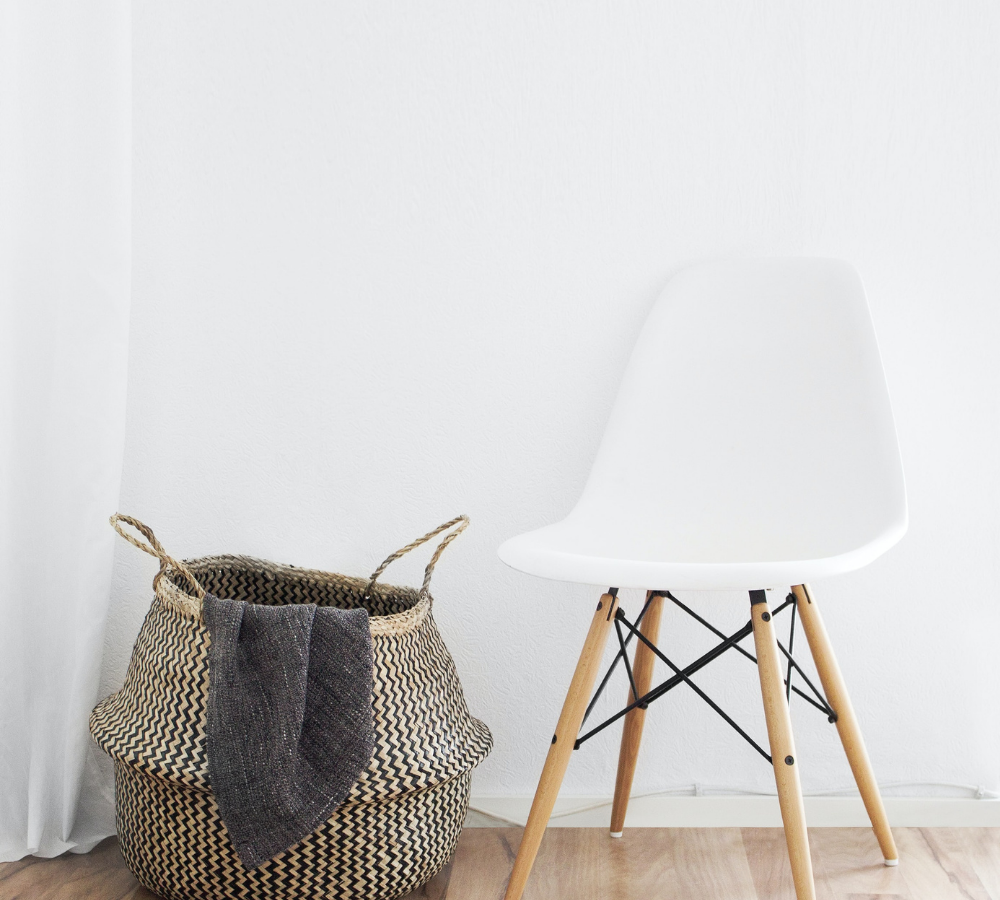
389	262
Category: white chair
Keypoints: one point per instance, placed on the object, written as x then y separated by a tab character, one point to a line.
751	445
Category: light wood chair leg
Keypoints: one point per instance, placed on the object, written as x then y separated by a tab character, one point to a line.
779	735
562	744
642	672
847	723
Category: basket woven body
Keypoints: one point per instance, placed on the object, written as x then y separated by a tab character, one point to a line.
400	822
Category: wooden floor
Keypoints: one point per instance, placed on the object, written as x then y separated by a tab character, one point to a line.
648	863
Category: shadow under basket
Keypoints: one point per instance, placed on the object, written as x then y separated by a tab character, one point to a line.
400	822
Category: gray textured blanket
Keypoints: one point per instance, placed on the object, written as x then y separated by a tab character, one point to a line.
289	718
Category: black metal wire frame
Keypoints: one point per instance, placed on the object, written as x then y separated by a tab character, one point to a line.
683	676
622	654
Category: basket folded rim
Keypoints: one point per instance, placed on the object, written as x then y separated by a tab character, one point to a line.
170	591
189	603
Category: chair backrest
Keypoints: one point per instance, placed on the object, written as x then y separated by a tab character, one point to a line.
753	423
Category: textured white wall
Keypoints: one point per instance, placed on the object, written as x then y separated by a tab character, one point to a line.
390	260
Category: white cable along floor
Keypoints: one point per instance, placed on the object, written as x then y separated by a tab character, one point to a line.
708	806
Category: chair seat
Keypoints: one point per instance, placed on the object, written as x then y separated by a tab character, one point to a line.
751	444
554	552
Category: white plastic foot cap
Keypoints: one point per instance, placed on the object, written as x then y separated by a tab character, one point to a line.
892	862
617	833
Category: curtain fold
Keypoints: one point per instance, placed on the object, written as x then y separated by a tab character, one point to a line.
65	197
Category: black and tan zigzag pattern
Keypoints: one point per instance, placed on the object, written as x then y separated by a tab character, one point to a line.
157	721
174	842
400	821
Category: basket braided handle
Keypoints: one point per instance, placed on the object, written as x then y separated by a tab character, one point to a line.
154	548
462	522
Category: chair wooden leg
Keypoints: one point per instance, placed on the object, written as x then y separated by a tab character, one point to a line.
563	740
847	724
779	735
642	672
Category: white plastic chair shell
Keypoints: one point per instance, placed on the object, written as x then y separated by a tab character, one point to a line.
751	444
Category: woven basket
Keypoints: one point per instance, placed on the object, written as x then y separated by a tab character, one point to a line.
399	824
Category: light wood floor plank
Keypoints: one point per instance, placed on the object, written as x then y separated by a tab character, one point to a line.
848	861
933	866
98	875
569	865
870	897
767	857
713	864
768	863
482	863
677	864
651	863
950	851
982	847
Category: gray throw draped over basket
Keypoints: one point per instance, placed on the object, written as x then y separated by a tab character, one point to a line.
398	824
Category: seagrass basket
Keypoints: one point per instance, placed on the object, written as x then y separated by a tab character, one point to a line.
400	822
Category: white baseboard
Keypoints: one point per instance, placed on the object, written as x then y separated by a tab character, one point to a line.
748	812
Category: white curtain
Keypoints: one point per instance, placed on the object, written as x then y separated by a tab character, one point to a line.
65	174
